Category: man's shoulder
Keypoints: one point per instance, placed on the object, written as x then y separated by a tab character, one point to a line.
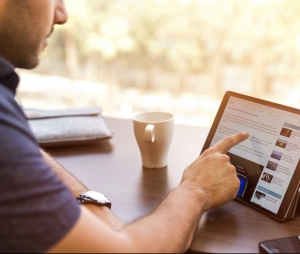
18	142
12	117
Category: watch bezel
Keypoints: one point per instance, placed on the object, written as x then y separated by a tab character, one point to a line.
87	198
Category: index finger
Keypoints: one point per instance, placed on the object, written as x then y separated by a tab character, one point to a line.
224	145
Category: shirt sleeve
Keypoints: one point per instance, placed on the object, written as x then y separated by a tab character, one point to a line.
36	208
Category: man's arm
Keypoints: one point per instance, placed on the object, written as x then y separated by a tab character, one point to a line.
210	181
77	187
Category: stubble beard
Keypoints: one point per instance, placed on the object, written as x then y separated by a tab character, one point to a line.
20	41
20	55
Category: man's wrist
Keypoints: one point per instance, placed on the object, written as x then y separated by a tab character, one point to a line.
196	194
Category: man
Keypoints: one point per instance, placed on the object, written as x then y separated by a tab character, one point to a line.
38	210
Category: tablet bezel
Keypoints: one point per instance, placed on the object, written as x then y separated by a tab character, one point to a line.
293	187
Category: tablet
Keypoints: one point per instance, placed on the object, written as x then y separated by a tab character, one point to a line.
267	163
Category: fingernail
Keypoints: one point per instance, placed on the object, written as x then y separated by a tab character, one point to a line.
245	133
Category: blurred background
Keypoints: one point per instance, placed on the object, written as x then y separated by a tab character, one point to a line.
178	56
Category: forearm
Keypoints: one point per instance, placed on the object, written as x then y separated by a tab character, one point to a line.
170	228
76	187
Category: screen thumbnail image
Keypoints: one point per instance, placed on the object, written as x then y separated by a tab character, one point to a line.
281	143
267	177
272	165
285	132
276	155
259	195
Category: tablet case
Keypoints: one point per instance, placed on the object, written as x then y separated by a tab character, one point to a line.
293	205
67	127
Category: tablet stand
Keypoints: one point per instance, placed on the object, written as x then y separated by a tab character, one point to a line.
294	205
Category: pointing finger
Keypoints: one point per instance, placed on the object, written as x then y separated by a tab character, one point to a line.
224	145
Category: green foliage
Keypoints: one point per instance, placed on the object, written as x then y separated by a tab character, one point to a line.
183	37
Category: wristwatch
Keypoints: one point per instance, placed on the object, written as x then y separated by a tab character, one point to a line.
93	197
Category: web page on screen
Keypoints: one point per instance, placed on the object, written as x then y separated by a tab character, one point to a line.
271	153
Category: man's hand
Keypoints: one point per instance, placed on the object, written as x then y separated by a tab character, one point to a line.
212	173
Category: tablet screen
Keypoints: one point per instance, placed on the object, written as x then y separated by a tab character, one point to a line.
266	162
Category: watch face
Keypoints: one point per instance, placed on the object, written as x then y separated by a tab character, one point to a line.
96	195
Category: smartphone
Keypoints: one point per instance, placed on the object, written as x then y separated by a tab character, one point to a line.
281	245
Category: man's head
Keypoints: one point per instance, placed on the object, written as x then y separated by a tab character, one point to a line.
25	26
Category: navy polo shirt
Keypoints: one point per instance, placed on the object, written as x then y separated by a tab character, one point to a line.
36	208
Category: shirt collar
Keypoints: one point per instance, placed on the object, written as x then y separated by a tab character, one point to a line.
8	76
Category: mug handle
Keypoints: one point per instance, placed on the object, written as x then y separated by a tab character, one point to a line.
149	133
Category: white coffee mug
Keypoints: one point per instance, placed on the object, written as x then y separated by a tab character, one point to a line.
153	132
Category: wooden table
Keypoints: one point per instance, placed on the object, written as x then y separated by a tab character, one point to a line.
113	167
